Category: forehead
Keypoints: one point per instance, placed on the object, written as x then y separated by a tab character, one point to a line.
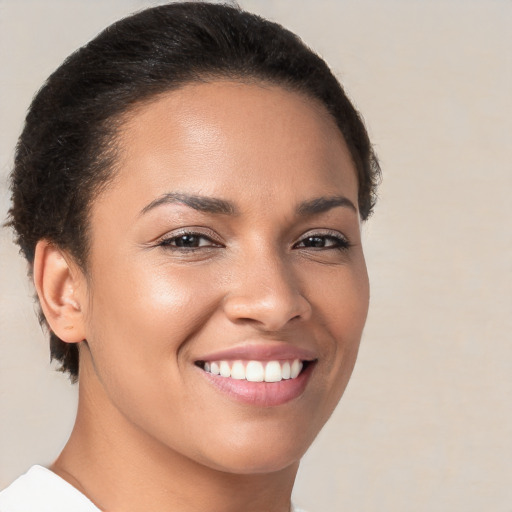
233	140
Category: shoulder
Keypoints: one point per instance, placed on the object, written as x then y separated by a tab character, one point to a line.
41	490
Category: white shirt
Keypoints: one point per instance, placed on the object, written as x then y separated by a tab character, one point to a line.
41	490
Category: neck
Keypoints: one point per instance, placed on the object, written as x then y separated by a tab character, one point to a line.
119	467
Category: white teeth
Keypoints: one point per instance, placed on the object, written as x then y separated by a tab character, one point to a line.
295	369
273	372
238	370
255	371
225	370
285	370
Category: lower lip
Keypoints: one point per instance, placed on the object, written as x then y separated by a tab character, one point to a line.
262	394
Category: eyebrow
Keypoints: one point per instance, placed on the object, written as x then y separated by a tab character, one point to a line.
324	204
200	203
218	206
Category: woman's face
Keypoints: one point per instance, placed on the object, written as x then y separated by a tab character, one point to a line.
229	241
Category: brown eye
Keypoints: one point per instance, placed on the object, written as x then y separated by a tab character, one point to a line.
188	241
314	241
323	242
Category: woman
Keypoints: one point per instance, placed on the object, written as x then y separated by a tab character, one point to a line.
188	191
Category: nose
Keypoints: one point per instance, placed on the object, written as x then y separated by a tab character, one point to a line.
266	293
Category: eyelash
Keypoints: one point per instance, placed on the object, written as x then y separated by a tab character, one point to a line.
167	242
339	242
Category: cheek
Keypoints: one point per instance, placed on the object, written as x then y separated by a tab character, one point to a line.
138	323
342	300
139	318
147	297
342	308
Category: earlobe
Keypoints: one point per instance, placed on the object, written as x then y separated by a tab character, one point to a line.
57	283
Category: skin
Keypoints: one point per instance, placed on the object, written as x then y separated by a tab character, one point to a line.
151	432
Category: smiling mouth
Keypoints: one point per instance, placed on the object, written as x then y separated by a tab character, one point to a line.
256	371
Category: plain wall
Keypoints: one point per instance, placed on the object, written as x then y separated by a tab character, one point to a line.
426	422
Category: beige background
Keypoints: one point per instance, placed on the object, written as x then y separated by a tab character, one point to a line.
426	423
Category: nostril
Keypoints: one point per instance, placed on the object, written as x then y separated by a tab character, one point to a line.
268	309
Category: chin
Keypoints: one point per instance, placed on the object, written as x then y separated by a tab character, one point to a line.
268	452
256	464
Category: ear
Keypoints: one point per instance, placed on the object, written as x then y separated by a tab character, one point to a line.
59	283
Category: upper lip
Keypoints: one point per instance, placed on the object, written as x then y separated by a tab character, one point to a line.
252	351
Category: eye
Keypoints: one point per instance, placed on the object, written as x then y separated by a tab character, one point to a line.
188	240
323	241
